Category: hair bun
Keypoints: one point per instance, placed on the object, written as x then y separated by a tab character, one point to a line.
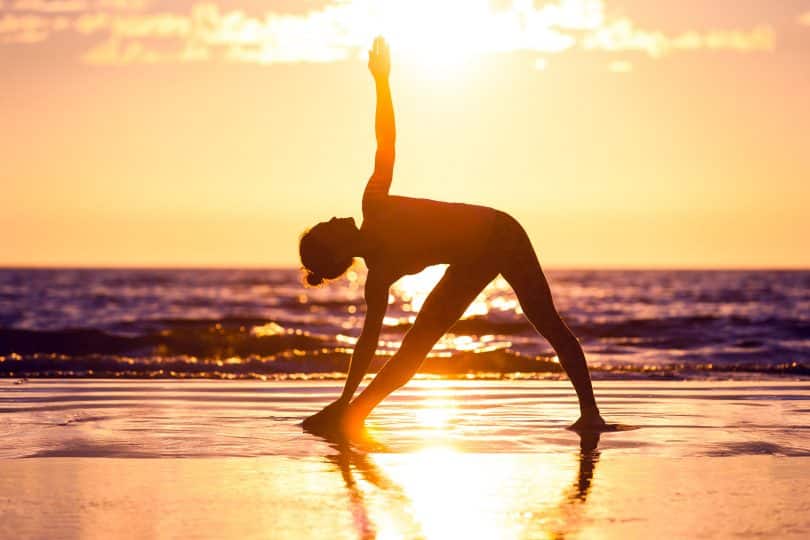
314	279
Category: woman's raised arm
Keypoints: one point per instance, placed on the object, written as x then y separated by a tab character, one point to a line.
379	63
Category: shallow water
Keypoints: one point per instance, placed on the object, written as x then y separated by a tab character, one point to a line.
175	418
452	459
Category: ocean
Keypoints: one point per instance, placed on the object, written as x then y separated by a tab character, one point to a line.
263	324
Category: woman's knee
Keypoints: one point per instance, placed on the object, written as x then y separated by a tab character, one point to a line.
560	336
523	273
538	306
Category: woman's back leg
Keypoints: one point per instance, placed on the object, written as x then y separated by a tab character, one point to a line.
522	271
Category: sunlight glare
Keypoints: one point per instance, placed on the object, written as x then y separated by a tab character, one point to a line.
442	38
436	413
439	36
458	495
414	289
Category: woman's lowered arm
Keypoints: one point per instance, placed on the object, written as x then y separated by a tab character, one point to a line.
379	63
376	304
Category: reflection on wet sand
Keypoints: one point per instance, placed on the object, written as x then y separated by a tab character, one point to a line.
353	463
440	492
454	459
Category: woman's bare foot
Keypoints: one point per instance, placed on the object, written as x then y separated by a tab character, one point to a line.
590	420
336	421
351	424
328	419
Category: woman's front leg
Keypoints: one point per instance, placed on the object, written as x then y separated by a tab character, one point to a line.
443	307
395	374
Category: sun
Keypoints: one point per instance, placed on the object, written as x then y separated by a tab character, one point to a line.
441	37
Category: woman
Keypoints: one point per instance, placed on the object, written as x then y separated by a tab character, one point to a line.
402	235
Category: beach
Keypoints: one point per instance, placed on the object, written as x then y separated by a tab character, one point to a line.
449	459
523	269
168	404
478	496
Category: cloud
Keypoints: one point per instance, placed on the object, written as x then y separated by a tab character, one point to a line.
122	5
74	6
622	35
128	32
30	28
164	25
114	52
804	19
117	52
35	21
207	31
50	6
339	31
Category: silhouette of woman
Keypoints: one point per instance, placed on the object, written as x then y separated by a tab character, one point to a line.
402	235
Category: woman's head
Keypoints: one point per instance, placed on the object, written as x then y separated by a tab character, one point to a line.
327	249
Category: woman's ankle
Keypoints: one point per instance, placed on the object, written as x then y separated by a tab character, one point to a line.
590	409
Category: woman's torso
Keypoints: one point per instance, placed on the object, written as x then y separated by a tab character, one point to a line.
407	234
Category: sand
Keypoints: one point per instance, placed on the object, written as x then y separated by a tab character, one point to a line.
455	459
414	495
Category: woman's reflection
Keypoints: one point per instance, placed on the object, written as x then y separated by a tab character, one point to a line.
380	505
351	462
588	458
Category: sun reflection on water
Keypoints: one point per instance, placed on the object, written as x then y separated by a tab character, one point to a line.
440	493
413	290
436	413
410	293
438	490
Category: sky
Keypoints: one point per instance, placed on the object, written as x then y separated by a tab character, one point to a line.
621	133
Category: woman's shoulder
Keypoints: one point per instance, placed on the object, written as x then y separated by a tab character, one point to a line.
374	204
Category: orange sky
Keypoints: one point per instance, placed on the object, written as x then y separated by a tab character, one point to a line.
621	133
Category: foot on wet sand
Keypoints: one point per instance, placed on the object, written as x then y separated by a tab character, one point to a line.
357	439
590	424
339	427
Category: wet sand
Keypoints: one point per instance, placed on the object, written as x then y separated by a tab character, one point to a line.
413	495
453	459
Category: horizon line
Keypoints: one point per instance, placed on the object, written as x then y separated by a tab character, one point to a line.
728	268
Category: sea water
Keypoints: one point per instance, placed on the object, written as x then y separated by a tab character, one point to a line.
265	324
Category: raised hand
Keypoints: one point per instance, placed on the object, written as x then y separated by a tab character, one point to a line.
379	59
